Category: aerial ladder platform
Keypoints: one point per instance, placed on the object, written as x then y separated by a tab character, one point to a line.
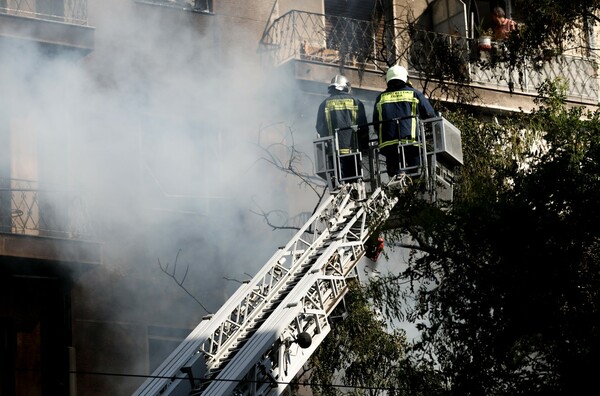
260	339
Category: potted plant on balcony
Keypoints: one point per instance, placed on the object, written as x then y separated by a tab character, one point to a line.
484	41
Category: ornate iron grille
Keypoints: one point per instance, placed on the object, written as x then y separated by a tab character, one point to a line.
350	42
25	208
68	11
321	38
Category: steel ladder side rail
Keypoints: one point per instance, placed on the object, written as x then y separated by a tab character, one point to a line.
262	311
333	294
358	217
169	368
382	204
260	346
246	334
265	337
166	373
216	371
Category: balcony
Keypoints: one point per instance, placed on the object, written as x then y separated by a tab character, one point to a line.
56	24
346	42
42	225
320	38
67	11
431	54
27	209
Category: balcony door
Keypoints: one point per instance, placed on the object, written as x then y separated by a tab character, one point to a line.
484	19
461	17
355	9
34	333
450	17
349	23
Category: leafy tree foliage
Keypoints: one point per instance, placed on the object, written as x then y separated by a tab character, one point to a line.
548	29
506	287
361	357
550	24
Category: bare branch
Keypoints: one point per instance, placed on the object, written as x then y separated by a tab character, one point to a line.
290	164
173	275
233	280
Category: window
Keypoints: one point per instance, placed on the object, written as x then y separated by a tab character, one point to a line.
355	9
205	6
464	17
482	10
349	25
450	17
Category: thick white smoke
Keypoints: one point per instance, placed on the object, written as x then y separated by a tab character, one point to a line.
172	120
157	130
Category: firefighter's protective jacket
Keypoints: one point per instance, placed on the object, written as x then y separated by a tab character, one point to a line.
395	111
342	110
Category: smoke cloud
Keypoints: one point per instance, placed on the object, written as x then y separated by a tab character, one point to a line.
159	132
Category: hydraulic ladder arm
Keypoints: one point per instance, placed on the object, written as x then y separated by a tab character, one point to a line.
267	330
262	336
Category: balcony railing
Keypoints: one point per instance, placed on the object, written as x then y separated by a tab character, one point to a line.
432	52
25	208
316	37
67	11
344	41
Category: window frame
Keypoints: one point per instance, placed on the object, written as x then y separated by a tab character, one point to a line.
198	6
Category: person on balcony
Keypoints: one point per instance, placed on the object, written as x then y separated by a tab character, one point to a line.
503	26
395	118
345	114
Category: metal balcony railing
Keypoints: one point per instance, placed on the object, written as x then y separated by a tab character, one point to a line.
432	53
316	37
344	41
68	11
25	208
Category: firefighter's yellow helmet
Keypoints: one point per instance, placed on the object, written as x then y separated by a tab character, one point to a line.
396	72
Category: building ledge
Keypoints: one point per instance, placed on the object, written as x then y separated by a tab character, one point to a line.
51	34
29	247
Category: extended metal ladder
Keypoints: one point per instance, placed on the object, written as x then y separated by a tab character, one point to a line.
262	336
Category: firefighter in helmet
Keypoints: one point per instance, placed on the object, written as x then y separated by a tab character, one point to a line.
395	119
342	110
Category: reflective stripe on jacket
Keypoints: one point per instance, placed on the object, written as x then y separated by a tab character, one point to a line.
395	114
341	110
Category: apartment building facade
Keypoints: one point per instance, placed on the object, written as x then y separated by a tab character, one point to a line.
126	135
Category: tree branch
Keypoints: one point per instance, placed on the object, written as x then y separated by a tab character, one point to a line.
172	274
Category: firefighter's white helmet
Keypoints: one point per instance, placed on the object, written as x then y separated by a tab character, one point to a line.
340	83
396	72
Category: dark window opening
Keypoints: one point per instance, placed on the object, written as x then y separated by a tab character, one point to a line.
34	335
355	9
482	12
205	6
349	25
